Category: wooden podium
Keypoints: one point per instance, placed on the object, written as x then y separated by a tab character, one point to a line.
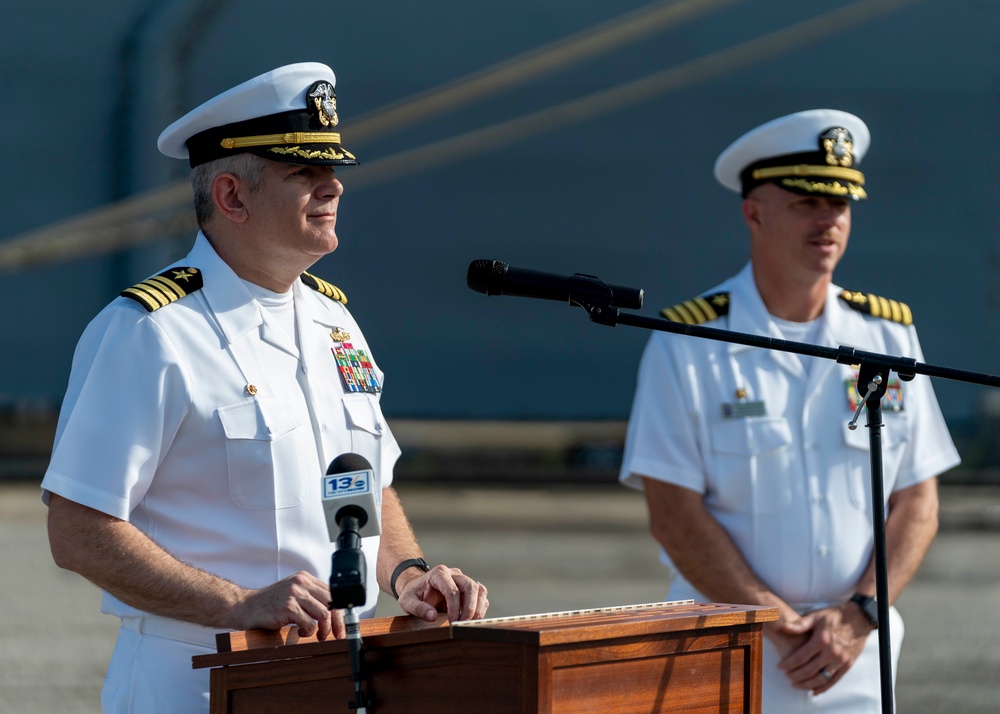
660	657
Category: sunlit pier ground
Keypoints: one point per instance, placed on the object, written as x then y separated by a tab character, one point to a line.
542	548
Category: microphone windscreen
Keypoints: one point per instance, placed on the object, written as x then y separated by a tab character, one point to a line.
481	274
346	463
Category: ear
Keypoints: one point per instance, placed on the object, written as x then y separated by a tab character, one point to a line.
227	195
751	212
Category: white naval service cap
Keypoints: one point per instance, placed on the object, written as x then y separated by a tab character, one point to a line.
287	114
814	152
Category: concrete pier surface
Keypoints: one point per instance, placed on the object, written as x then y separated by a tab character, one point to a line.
538	549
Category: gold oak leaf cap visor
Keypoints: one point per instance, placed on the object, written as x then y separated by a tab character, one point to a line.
814	153
288	114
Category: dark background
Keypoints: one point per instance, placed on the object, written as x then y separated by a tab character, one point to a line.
624	191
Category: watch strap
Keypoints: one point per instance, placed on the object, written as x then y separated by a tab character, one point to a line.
868	606
408	563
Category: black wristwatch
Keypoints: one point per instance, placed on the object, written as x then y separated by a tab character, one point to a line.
868	606
409	563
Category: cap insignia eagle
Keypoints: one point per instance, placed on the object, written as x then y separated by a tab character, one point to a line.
839	146
324	99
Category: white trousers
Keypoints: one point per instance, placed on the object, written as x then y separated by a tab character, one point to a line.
150	670
857	692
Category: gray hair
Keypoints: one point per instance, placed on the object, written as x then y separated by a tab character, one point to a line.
244	166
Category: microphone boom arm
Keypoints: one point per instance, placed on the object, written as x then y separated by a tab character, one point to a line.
873	378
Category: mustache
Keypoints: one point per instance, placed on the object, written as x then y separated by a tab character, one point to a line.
825	234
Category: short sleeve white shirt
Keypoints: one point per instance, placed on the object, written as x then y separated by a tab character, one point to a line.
767	442
210	429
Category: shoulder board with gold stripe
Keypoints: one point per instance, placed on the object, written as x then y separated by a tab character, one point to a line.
165	288
701	309
321	286
878	306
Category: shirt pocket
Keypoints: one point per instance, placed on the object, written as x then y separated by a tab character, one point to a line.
895	438
751	464
262	454
365	426
363	413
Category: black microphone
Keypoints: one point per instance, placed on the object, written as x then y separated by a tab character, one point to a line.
493	277
349	503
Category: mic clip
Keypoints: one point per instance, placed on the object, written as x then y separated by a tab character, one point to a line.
594	296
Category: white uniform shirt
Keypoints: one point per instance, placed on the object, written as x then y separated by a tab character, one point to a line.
790	484
159	428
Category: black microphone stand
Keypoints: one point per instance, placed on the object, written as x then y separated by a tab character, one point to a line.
595	297
348	576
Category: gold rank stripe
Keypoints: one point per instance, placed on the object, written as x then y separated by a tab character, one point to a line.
807	171
878	306
692	312
165	288
321	286
292	137
890	309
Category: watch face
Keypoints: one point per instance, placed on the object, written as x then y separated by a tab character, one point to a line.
871	609
869	606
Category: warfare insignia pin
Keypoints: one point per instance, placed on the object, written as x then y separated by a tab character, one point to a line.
742	408
339	335
324	99
839	146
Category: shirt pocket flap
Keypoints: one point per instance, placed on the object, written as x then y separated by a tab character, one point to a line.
750	437
261	419
363	413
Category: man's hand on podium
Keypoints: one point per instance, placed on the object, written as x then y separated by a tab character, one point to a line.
442	589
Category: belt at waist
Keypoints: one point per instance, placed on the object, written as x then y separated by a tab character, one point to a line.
172	630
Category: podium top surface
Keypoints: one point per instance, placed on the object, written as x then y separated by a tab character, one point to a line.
541	630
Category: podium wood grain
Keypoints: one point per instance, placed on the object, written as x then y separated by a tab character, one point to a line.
661	657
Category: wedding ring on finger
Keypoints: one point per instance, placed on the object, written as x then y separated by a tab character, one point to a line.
826	674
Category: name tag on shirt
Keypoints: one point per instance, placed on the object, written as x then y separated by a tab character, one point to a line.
741	410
